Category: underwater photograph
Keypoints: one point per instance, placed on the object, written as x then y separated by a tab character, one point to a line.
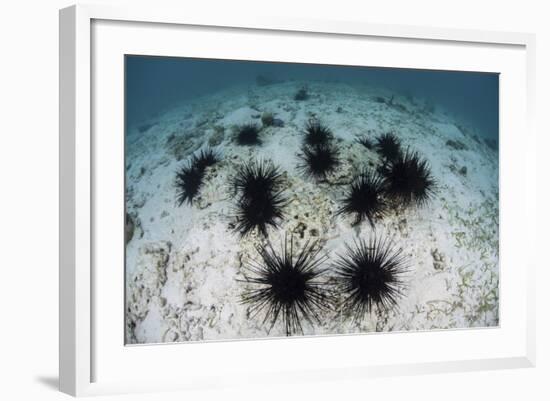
269	199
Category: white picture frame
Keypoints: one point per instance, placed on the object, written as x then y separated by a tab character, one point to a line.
84	351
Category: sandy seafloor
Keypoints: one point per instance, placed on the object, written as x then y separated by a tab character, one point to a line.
184	263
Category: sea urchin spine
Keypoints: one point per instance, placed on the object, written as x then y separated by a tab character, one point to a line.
369	275
287	287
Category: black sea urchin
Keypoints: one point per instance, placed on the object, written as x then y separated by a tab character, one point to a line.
369	275
260	200
206	158
408	179
259	212
257	178
316	133
188	183
189	178
248	135
388	146
318	161
365	198
289	287
366	142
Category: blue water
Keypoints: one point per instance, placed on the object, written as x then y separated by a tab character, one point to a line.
154	84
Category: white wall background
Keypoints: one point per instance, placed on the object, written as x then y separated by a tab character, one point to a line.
29	184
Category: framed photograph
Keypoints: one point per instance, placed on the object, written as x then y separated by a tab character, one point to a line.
281	200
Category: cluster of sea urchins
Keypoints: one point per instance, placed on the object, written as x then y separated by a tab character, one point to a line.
294	287
319	156
258	188
190	177
404	178
367	278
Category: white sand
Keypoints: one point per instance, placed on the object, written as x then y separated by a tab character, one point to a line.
184	263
